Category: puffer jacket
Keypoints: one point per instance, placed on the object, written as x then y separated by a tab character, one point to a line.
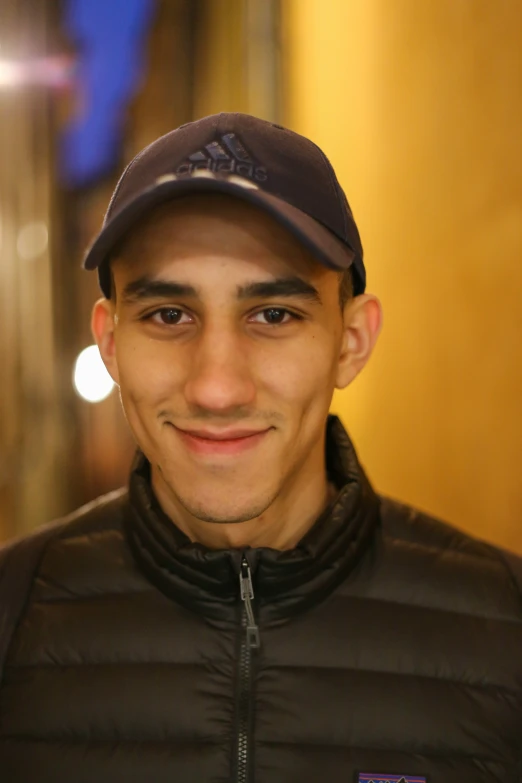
386	646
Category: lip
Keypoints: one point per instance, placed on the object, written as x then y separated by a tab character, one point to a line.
222	442
222	434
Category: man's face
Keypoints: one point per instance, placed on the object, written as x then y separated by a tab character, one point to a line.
222	321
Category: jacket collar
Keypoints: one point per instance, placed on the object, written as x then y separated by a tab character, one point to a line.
207	581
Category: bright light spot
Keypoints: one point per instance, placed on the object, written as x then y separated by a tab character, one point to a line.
91	380
10	74
32	240
48	71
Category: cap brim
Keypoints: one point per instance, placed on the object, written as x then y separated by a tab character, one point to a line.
325	246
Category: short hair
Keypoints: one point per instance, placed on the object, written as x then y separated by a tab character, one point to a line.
346	287
112	292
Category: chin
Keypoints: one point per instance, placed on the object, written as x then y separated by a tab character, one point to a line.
225	511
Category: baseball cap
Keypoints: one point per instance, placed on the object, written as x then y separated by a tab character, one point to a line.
273	168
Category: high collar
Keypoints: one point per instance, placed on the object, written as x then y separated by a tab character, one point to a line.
285	582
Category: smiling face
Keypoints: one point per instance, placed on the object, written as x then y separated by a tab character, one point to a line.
222	324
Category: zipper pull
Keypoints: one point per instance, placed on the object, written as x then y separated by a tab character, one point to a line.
247	595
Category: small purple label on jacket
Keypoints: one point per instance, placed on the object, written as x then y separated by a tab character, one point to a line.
366	777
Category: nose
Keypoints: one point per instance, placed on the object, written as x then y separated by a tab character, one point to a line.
220	378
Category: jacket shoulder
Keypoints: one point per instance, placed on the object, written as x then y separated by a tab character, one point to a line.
22	560
405	523
104	513
453	556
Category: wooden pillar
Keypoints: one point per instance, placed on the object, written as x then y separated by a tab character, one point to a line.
237	58
31	454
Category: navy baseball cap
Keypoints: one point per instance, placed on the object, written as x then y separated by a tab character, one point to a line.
277	170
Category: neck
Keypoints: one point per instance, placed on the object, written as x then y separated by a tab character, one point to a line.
281	526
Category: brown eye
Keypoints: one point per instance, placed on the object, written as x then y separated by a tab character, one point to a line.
276	316
167	316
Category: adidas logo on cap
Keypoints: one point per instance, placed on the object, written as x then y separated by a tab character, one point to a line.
228	155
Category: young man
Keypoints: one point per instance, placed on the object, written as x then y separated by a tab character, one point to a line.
249	609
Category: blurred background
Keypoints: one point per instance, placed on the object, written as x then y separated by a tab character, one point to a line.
419	108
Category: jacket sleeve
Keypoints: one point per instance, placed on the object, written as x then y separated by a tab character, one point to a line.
19	560
514	565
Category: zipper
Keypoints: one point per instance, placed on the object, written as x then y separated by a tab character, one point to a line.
247	596
249	641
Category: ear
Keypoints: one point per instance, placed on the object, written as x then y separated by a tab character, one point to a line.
103	323
362	323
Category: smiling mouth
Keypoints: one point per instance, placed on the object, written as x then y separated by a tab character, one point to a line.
221	443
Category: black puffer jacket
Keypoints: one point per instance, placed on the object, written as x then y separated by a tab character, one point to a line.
389	644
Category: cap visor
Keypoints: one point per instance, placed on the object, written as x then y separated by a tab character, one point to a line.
320	241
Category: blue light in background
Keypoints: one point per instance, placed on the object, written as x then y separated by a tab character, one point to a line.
110	38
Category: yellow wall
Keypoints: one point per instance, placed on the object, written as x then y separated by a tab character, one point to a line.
419	107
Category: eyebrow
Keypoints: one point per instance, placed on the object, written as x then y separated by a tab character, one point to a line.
287	287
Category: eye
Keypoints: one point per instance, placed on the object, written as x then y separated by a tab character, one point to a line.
277	316
167	316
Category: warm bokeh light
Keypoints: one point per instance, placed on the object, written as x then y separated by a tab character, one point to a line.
32	240
91	380
10	75
46	71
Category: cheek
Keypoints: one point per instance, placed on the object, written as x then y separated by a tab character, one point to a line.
304	370
147	375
